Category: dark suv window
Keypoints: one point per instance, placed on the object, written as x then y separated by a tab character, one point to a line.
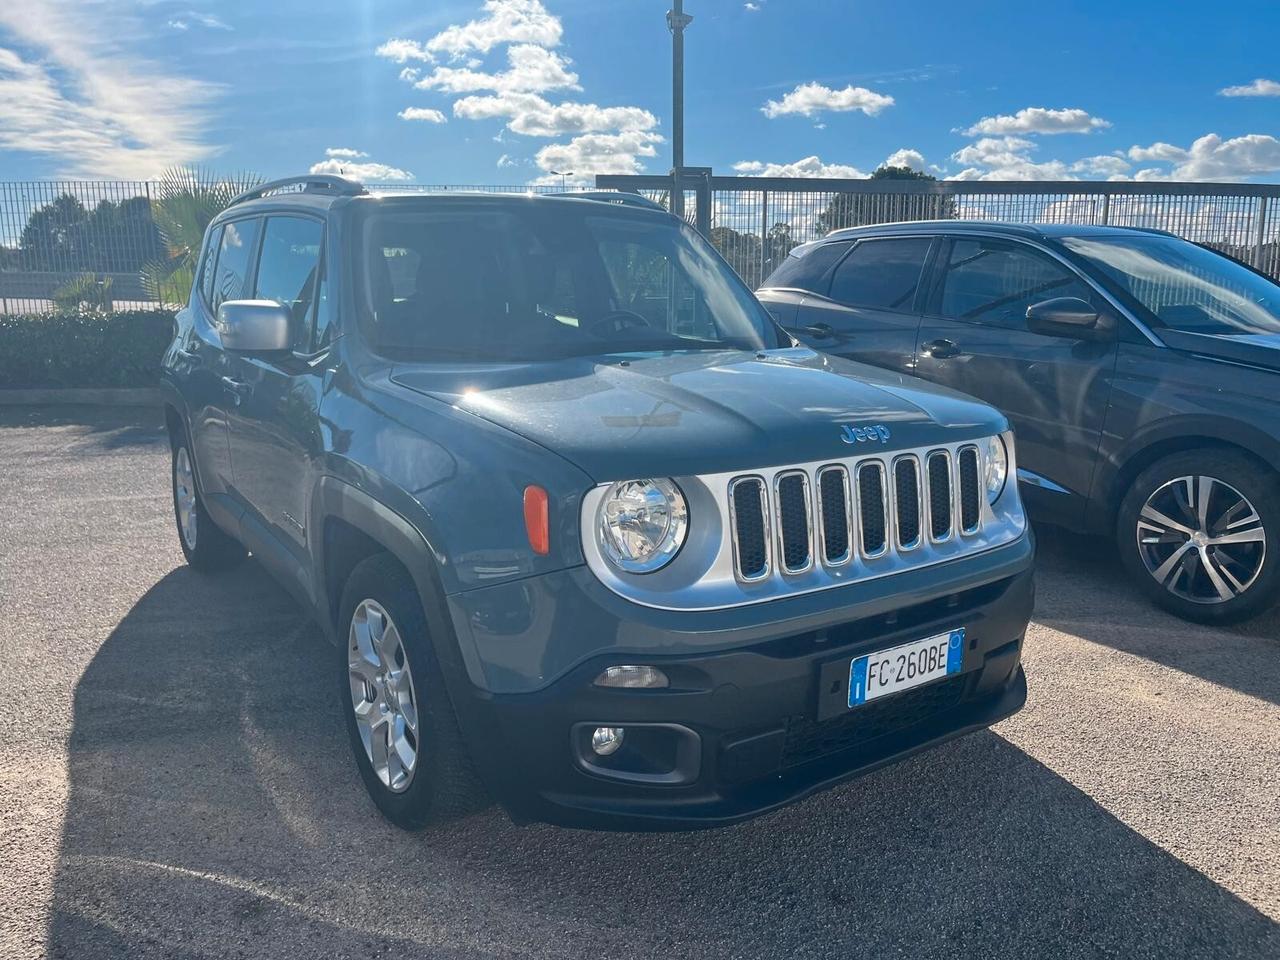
881	274
806	268
994	281
287	269
235	254
207	264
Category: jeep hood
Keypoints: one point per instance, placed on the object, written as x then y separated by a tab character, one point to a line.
702	412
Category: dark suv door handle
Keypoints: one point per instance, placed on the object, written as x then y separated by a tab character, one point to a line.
819	330
237	388
940	349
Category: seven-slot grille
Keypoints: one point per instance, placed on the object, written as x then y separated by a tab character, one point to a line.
866	510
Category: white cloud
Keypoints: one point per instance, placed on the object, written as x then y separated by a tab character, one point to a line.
1005	158
750	5
806	167
344	153
81	99
534	116
1103	165
356	170
428	114
1259	88
1212	158
402	51
906	158
1165	152
183	21
599	153
1038	120
533	69
506	161
508	21
812	98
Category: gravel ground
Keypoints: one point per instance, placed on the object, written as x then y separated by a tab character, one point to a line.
175	781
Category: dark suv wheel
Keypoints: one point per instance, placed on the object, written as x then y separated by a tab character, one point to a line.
205	545
1200	533
403	729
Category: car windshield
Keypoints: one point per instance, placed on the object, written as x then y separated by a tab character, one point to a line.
539	279
1184	287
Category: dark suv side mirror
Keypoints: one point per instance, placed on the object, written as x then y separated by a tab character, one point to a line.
1064	317
254	326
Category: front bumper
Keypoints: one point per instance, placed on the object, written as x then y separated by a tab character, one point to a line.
758	725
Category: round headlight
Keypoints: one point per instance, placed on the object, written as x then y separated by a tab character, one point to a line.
642	524
997	459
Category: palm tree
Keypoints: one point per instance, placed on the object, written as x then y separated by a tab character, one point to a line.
182	204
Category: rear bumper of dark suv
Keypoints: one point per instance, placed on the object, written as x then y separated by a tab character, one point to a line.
743	731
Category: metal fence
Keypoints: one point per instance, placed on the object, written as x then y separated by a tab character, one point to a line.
68	242
63	242
755	221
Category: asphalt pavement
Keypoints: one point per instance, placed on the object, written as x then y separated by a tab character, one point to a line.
175	780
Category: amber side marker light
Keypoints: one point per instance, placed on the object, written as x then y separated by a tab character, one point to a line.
537	523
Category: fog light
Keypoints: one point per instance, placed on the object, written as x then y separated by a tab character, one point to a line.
632	677
606	740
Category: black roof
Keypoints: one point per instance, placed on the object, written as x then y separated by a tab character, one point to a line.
1030	231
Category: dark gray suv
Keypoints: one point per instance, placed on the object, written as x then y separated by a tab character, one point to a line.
1140	371
590	534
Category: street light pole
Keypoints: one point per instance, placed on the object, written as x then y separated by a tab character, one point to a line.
563	178
677	20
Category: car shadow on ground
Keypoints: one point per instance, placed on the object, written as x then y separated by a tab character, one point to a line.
214	811
1093	598
105	428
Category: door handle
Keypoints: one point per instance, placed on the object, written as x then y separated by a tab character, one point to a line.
189	355
819	330
237	388
940	349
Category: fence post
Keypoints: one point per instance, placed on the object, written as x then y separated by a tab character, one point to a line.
764	230
1105	218
1261	235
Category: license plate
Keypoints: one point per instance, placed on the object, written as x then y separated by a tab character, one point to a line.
909	665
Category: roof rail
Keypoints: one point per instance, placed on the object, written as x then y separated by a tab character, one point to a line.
612	196
312	183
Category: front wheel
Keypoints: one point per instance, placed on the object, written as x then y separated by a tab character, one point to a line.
1200	533
402	726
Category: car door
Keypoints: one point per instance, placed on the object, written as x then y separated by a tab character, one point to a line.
274	423
868	310
1054	389
806	269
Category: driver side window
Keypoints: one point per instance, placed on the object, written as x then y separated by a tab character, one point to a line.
993	282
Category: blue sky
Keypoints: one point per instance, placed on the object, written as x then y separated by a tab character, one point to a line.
506	91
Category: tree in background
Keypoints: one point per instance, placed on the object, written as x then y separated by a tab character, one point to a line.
861	209
183	203
65	235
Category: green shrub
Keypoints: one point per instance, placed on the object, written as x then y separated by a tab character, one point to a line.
84	349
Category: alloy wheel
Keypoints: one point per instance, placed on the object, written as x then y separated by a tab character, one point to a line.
184	493
1201	539
383	695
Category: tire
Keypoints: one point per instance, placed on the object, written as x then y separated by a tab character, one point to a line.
1172	554
440	784
206	546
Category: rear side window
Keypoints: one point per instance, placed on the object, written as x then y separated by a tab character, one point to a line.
207	263
235	254
993	282
809	270
881	274
287	270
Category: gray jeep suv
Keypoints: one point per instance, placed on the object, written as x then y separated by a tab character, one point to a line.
590	534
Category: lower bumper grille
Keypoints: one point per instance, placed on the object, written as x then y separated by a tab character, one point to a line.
808	739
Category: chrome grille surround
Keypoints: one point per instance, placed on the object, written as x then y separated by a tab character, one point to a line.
706	574
785	524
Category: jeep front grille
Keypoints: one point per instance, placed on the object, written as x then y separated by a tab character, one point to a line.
885	505
765	534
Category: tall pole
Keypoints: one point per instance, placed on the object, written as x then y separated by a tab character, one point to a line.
677	20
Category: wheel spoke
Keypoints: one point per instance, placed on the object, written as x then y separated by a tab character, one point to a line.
1162	572
1215	576
1159	521
1252	535
1202	501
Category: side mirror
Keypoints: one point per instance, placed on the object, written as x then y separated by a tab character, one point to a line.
254	326
1064	317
